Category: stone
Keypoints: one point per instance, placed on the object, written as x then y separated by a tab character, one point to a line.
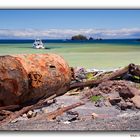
126	93
1	118
24	115
45	110
114	98
122	105
114	95
107	103
68	116
99	103
30	114
136	101
66	122
94	115
129	104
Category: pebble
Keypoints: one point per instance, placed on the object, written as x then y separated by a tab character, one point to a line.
31	114
24	115
94	115
45	110
66	122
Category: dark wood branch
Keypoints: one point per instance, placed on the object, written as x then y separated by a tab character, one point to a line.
134	69
58	112
16	114
5	112
106	77
10	107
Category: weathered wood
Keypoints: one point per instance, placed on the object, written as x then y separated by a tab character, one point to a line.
10	107
16	114
52	115
5	112
99	80
134	69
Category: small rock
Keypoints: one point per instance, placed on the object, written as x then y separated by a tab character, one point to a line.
66	122
125	93
99	103
24	115
72	113
129	104
68	116
136	101
34	114
107	103
14	121
113	95
51	101
30	114
94	115
45	110
114	98
122	105
115	101
1	118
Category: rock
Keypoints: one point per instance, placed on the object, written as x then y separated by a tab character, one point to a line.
1	118
66	122
99	103
31	114
68	116
114	98
114	95
24	115
107	103
19	119
73	113
34	114
51	101
123	105
94	115
127	93
14	121
45	110
136	101
80	73
129	105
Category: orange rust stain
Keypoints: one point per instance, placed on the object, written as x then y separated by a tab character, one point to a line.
34	76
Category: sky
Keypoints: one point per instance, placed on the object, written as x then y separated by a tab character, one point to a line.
62	24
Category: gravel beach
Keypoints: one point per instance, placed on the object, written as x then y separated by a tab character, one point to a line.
108	118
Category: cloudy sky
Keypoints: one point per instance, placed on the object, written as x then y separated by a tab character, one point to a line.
61	24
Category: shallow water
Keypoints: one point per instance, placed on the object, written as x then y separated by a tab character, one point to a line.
103	54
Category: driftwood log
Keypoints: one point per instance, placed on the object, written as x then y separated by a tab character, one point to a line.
99	80
131	68
52	115
16	114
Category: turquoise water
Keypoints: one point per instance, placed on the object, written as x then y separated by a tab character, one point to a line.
102	55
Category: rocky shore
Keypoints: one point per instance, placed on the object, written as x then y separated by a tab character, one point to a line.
112	105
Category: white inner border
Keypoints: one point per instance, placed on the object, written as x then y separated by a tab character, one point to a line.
71	4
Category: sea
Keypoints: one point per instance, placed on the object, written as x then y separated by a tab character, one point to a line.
103	41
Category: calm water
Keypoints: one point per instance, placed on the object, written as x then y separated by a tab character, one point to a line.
89	54
105	41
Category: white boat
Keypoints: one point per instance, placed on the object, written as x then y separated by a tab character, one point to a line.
38	44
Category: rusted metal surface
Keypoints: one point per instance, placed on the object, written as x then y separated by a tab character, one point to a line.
29	77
